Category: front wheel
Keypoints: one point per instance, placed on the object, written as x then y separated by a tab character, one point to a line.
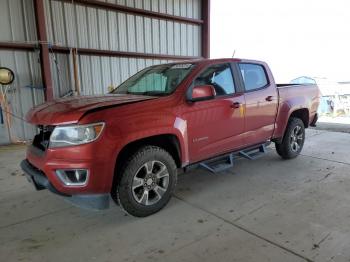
293	139
147	182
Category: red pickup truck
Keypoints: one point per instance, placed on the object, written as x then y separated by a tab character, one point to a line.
130	143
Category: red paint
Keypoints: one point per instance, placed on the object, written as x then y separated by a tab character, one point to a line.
203	129
204	91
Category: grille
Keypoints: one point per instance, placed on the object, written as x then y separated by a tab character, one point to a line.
42	139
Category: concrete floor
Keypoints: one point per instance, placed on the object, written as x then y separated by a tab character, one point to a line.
263	210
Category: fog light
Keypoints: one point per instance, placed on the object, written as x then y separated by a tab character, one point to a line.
73	177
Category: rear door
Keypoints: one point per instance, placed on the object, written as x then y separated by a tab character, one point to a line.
261	102
216	126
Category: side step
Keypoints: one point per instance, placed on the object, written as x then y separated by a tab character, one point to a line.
218	164
253	153
222	163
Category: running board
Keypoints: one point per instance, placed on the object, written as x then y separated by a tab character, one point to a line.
253	153
218	164
224	162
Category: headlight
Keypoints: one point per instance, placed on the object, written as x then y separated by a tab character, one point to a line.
75	135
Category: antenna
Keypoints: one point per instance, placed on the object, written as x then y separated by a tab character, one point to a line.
234	52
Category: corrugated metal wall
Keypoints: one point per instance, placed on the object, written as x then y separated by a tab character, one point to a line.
74	25
18	24
78	26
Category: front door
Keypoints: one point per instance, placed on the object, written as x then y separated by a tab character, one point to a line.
216	126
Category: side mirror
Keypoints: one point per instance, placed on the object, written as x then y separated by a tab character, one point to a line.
203	92
6	76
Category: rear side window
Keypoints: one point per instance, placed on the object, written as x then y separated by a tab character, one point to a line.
253	75
219	76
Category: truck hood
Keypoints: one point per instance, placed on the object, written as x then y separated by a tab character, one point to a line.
70	110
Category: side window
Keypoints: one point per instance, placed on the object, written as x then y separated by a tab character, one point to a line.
219	76
253	75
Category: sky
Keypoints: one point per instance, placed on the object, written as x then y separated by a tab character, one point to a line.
295	37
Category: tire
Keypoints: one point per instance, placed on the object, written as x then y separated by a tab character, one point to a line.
147	182
293	139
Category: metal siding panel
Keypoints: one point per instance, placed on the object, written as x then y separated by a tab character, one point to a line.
70	24
163	37
130	3
115	71
177	39
148	35
197	41
140	34
176	4
132	66
5	22
121	2
141	64
189	8
92	28
106	74
85	75
146	4
183	8
113	31
17	22
156	36
96	71
197	9
189	45
170	7
63	70
154	5
183	39
131	33
58	28
103	29
170	37
82	31
124	68
55	79
122	32
29	20
162	6
139	4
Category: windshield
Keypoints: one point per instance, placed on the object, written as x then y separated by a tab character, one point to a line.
156	80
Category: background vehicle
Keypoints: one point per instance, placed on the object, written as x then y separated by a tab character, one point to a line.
131	142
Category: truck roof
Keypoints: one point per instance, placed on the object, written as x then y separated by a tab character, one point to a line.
217	60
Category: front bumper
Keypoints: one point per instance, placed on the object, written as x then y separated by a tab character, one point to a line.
40	181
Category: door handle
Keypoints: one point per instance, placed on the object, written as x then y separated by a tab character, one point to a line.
236	105
269	98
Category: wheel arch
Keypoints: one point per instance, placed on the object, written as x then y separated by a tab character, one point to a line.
303	114
168	142
283	119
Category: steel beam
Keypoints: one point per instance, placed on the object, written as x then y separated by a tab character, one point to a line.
99	52
44	49
206	28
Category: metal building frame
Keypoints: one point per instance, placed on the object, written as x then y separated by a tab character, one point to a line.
45	49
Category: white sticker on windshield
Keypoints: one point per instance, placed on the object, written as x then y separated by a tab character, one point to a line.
181	66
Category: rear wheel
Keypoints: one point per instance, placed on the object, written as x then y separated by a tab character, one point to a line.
147	182
293	139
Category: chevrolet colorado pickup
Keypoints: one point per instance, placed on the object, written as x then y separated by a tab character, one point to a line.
130	143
